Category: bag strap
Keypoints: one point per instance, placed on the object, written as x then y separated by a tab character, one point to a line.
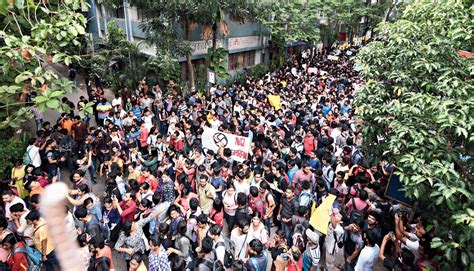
245	240
38	228
255	264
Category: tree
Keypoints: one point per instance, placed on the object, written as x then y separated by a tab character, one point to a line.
34	36
289	21
419	98
348	14
163	23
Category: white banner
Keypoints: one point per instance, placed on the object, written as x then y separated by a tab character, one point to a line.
243	42
239	145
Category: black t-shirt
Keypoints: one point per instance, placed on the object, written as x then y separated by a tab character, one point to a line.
397	265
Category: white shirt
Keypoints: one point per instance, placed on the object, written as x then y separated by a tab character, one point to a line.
117	101
334	236
15	200
35	156
367	258
25	229
240	242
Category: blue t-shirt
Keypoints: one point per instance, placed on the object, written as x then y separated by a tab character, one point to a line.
326	109
216	182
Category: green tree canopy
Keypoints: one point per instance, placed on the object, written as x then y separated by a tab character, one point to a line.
419	98
35	35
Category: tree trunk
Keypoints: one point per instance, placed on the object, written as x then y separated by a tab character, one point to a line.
188	57
214	37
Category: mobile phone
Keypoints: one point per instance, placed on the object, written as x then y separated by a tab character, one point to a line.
285	256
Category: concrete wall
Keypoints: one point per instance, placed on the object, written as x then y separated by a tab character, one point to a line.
243	37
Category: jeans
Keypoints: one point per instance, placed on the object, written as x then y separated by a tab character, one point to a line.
51	261
286	227
268	225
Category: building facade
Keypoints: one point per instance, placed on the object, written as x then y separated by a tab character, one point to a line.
247	43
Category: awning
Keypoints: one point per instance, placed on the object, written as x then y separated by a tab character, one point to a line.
293	44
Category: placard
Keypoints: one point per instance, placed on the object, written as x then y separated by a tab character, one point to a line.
312	70
331	57
211	77
212	139
394	190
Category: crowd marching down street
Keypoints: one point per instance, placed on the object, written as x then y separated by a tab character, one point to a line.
270	174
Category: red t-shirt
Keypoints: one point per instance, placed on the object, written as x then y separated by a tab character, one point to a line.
218	217
128	210
18	261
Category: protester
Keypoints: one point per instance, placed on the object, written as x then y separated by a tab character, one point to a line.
222	181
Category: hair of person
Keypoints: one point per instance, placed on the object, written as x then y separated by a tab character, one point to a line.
80	212
363	195
257	246
302	211
88	201
217	204
137	256
82	239
281	234
215	230
264	185
202	218
33	215
193	204
10	239
97	242
35	198
371	237
146	203
204	176
145	186
242	223
156	198
206	245
172	208
182	227
127	228
155	240
408	258
241	199
8	192
163	228
17	207
257	214
83	188
254	191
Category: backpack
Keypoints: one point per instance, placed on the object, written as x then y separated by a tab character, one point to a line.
229	251
104	229
356	157
214	266
26	157
305	199
357	215
298	241
34	256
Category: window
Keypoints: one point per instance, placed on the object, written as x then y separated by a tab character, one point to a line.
241	60
233	61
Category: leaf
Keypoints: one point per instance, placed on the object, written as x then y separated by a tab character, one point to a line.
40	99
19	4
57	58
53	103
67	60
72	30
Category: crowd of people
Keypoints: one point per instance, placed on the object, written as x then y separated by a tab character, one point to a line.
170	204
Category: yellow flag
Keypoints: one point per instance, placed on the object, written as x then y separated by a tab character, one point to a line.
321	216
274	101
